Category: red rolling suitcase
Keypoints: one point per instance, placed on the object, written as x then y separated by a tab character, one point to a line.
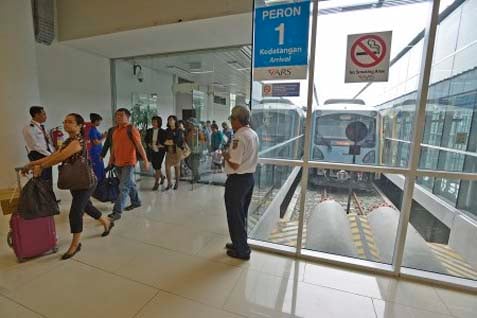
30	238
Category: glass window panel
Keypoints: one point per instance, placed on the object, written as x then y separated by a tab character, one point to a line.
278	119
353	214
389	106
281	128
442	232
440	238
274	210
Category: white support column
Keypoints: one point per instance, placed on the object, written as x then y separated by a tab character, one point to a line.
418	130
18	83
308	132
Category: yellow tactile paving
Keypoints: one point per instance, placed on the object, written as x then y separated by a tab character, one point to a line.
453	262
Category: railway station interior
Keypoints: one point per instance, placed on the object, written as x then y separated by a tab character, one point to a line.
378	220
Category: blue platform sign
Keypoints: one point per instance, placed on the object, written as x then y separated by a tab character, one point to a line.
281	41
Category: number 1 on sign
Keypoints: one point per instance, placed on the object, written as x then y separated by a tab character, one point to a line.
281	33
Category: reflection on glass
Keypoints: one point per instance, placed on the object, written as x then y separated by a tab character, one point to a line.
351	214
450	135
280	128
274	211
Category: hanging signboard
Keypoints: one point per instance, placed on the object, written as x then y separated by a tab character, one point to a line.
367	58
281	90
281	41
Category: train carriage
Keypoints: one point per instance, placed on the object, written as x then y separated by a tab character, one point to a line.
330	142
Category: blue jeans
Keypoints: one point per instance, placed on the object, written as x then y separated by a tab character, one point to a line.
238	195
127	187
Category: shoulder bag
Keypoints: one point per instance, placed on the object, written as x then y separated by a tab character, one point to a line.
76	175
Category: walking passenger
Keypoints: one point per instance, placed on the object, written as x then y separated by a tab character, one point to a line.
197	142
156	150
216	146
96	140
228	133
216	139
126	146
174	143
240	165
74	148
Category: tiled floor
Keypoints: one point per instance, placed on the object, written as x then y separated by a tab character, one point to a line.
166	259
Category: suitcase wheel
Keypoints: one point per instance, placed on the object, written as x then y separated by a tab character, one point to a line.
21	259
10	239
55	249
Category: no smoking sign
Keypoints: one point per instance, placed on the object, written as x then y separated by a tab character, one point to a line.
367	57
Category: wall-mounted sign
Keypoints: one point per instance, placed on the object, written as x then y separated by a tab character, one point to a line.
367	58
281	90
281	41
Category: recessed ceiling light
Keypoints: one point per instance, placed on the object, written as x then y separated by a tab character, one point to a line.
200	72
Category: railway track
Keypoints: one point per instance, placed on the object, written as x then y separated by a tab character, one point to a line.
286	229
285	232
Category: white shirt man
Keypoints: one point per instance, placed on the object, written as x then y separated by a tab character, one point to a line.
243	151
38	141
37	138
240	165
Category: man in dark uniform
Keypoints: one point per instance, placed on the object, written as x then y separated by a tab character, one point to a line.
240	164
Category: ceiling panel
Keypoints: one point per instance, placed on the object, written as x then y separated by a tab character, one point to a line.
226	70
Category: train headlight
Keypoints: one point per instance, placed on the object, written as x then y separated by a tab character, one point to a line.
317	154
370	157
342	175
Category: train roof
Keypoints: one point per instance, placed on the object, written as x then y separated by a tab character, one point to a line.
345	107
276	104
347	101
276	100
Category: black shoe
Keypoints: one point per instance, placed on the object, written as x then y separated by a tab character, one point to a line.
162	180
234	254
106	233
229	246
114	216
167	188
132	207
176	185
155	187
67	256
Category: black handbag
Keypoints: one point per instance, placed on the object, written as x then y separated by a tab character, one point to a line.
108	188
76	175
37	200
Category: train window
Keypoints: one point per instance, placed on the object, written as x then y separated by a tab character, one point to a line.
346	117
281	131
331	129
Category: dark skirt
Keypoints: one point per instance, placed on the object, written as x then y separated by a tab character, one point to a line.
156	158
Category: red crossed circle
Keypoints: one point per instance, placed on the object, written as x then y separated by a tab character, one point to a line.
267	89
376	58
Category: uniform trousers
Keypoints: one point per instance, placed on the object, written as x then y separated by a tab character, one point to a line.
238	194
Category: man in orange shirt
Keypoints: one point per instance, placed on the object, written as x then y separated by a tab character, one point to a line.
126	147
